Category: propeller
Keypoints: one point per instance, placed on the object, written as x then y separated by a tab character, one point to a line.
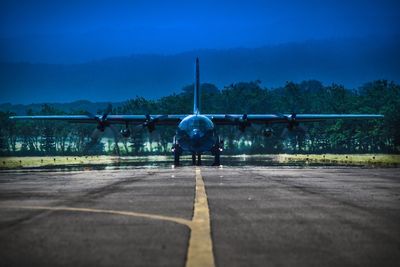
102	125
242	121
102	122
293	124
150	122
267	132
125	132
291	119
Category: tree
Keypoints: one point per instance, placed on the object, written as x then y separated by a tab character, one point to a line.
370	136
47	143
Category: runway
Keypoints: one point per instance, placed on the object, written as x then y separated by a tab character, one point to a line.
201	216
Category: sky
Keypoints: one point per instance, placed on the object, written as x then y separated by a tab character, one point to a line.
53	50
66	32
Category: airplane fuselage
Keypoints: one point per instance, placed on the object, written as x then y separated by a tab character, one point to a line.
196	134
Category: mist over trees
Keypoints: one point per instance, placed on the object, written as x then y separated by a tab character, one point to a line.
350	62
339	136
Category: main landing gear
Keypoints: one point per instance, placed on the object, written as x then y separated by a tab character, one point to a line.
216	151
198	159
177	150
177	153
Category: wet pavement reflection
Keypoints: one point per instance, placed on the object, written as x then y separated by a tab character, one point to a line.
167	162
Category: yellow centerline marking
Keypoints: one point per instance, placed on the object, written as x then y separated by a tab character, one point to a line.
200	244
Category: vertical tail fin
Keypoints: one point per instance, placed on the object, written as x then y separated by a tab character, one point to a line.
196	104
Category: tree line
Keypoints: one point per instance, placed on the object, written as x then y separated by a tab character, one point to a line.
338	136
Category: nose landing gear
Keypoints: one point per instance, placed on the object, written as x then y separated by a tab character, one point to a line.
198	163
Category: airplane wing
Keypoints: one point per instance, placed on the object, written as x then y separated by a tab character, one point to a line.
234	119
219	119
112	119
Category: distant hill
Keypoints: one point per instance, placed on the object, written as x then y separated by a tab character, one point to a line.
350	62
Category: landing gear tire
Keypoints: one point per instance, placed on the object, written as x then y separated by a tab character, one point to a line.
193	159
217	160
216	151
198	159
177	154
176	158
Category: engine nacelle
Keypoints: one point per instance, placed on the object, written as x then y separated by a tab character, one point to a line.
125	133
267	132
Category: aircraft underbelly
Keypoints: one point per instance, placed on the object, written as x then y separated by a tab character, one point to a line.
196	146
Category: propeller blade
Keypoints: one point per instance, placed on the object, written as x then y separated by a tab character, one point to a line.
116	138
102	124
92	116
94	140
284	132
150	122
241	122
114	131
107	112
95	135
302	129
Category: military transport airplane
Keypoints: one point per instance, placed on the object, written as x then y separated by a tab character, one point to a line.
196	132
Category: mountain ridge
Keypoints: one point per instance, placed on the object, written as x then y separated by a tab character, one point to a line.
350	62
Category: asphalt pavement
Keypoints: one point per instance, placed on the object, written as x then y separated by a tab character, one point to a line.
232	216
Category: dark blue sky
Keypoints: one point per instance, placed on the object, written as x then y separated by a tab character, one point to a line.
79	31
348	42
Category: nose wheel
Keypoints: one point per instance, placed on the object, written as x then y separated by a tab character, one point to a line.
198	163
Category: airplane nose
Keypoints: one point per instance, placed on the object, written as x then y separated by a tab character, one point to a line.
196	134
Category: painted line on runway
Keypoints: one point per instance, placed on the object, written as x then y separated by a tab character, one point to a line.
115	212
200	243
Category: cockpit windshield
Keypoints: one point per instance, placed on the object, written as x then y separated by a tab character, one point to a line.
196	122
